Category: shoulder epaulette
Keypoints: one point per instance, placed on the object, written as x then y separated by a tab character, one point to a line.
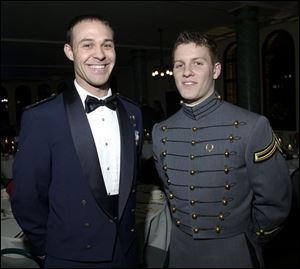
127	99
41	102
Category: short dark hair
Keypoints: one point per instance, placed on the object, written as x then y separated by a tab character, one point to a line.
87	17
199	39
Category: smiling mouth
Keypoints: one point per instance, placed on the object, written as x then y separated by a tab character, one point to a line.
189	83
98	69
98	66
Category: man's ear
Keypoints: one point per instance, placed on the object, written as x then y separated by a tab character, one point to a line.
69	52
217	70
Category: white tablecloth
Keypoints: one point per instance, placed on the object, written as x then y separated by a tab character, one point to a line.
11	233
153	226
6	166
147	150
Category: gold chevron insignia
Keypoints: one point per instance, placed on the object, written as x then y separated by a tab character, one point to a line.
269	150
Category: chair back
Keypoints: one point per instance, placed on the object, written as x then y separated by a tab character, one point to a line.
19	258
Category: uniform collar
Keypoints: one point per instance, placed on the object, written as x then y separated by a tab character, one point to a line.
204	108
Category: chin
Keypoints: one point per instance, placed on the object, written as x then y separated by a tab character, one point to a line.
189	99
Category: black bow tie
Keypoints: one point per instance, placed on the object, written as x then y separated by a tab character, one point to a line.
91	103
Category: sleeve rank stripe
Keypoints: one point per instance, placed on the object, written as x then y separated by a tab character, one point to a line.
268	151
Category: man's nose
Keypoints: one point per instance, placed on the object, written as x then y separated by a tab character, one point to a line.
99	53
188	70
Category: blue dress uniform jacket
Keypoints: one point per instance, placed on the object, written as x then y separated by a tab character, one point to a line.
60	199
224	176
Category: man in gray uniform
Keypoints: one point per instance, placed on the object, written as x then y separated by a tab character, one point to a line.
227	183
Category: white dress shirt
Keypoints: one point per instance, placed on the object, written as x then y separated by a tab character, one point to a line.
105	129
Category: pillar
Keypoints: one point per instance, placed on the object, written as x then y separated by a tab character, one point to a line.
139	75
248	67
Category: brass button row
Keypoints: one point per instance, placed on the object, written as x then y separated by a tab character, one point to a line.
217	229
192	187
192	202
193	172
195	215
192	156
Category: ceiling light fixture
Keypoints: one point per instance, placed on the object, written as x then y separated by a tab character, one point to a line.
161	71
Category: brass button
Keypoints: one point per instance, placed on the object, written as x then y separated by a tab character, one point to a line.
226	170
227	186
260	232
192	172
194	216
218	229
169	181
231	138
87	225
164	153
133	191
165	168
194	129
164	140
226	153
192	157
193	142
83	202
132	210
178	222
221	216
173	209
163	128
132	230
88	246
224	201
236	124
195	230
192	187
171	195
192	202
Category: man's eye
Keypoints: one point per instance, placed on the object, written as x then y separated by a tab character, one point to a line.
108	46
176	66
87	45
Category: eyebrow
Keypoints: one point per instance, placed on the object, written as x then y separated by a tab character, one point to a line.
91	40
193	59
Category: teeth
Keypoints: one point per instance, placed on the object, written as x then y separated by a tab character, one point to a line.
98	66
188	83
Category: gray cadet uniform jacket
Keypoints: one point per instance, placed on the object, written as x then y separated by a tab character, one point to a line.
225	177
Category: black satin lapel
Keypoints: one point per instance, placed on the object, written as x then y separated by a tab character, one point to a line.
85	147
127	156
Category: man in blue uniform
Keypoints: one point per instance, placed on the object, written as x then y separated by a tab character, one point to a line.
227	183
76	168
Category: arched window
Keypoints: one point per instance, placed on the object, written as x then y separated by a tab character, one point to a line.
23	99
4	109
230	76
279	80
44	91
